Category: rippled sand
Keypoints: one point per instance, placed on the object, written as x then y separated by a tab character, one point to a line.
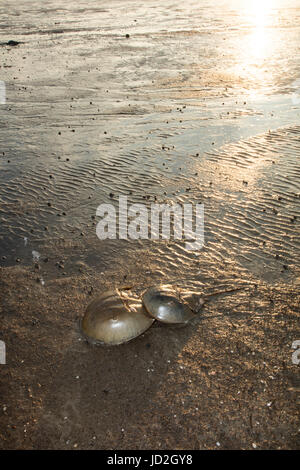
198	104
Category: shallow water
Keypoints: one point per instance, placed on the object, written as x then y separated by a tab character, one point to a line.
200	103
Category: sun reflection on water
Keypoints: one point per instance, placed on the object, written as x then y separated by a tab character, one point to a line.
259	44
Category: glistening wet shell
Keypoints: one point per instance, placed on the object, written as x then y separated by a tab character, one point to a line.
163	304
111	320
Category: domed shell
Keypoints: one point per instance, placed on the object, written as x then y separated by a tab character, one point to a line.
111	320
163	304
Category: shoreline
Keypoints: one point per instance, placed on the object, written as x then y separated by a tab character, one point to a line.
163	103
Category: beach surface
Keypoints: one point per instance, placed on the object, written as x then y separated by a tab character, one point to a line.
162	102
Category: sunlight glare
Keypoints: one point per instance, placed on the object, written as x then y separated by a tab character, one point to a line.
257	46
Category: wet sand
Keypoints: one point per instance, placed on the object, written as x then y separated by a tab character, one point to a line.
181	111
227	378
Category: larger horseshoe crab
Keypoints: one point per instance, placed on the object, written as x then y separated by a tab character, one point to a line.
166	305
114	319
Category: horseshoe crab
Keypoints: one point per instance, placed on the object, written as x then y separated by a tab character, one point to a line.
113	319
166	305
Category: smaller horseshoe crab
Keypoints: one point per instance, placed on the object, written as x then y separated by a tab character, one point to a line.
166	305
114	318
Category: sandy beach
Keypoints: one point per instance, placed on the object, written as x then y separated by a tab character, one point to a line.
169	103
